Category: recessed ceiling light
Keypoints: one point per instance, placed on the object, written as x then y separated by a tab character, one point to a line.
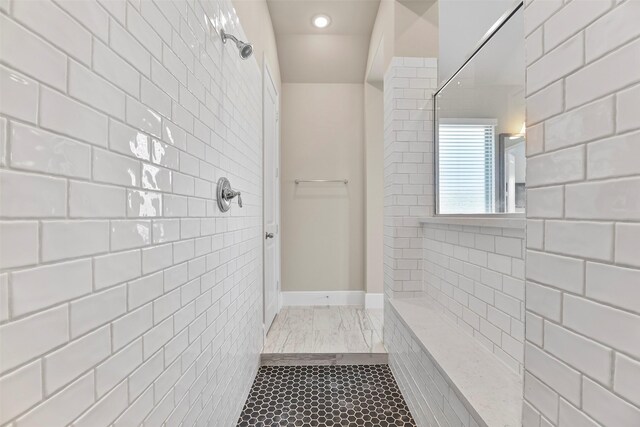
321	21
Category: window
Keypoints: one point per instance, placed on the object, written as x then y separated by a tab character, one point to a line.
466	166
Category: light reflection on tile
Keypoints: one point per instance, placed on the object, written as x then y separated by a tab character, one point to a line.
128	141
143	203
155	178
164	155
140	146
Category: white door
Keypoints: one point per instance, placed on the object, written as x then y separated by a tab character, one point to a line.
271	201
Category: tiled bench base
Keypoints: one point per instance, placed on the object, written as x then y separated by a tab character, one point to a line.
446	377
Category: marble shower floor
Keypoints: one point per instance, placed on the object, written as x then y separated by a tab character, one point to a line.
326	329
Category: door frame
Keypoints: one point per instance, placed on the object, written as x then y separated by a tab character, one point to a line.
268	80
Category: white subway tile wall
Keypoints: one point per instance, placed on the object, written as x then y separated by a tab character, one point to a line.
126	297
475	275
408	170
582	351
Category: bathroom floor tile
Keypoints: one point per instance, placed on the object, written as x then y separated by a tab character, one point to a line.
324	329
325	395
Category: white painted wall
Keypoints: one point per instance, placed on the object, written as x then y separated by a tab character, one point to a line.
374	197
322	223
416	28
404	28
582	351
126	296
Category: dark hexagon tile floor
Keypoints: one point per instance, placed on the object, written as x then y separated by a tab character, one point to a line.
325	395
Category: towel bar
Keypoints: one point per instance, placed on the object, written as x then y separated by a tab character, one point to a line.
344	181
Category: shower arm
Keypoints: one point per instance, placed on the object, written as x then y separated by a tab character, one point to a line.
244	49
226	36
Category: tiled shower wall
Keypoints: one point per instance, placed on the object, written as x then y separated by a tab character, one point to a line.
476	275
409	85
582	352
126	296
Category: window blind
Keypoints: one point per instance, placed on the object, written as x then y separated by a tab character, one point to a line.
466	167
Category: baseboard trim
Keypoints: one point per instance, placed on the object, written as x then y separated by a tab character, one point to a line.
323	298
367	300
372	300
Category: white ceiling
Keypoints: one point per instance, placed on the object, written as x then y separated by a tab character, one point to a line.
336	54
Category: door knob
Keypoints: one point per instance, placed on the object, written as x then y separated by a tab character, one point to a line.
268	236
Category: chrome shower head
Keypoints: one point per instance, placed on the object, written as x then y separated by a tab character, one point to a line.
245	49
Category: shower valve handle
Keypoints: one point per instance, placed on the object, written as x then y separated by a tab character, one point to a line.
230	194
224	195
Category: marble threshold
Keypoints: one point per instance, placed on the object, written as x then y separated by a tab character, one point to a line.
326	329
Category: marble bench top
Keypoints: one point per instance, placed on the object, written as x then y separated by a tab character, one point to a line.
492	391
494	220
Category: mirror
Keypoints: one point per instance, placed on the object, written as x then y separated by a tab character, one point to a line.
480	129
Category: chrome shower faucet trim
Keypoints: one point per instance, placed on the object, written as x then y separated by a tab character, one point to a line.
225	194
